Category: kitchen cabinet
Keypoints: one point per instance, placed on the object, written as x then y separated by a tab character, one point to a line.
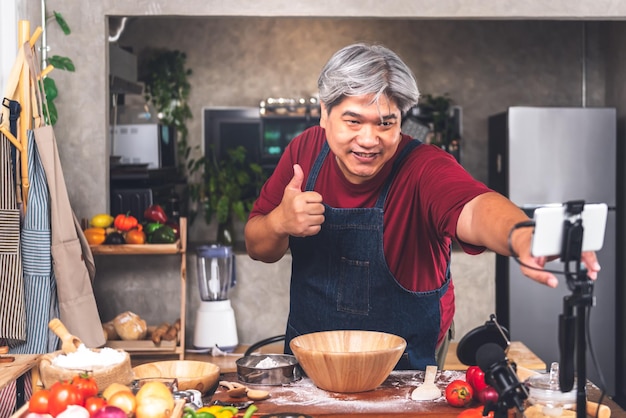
179	248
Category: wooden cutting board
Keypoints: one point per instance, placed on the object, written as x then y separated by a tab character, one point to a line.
22	364
518	352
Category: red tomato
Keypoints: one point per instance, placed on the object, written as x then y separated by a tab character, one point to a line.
63	394
476	378
94	404
38	402
459	393
86	385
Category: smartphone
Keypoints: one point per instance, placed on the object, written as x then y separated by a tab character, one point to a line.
549	220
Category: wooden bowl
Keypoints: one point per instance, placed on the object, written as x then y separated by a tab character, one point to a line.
348	361
199	375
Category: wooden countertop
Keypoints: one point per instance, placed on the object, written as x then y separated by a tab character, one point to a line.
518	352
391	399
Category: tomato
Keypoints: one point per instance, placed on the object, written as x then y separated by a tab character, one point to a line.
474	413
94	404
476	378
459	393
38	402
125	222
63	394
86	385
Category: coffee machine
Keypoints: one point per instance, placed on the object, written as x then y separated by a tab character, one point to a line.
215	318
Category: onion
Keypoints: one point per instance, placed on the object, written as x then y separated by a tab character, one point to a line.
488	394
74	411
110	411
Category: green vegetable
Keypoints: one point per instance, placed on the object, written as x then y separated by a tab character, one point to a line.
189	413
205	415
151	227
163	235
250	411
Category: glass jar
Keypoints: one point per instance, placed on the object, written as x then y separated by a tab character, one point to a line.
545	399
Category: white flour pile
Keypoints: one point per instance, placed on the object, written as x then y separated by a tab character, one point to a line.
87	359
267	363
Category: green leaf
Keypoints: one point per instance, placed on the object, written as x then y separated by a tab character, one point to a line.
62	63
62	23
50	88
52	112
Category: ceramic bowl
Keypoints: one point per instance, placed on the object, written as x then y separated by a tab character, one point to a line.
348	361
199	375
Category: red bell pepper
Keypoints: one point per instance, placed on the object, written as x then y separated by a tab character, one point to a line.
155	213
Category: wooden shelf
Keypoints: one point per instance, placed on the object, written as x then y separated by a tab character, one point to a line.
142	346
178	247
129	249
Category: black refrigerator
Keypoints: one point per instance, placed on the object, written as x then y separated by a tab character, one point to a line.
544	155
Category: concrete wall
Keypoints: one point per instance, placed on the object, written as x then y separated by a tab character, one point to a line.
486	55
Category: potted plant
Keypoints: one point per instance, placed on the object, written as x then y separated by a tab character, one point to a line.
167	87
437	113
227	187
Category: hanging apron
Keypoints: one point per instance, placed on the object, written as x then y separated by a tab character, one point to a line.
340	279
73	261
39	281
12	309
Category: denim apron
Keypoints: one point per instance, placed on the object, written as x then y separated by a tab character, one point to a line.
340	280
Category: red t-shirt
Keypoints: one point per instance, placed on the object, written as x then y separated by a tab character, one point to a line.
420	214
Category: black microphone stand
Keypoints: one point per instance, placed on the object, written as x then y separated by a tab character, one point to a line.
572	323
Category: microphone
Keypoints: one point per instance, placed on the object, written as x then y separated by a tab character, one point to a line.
499	374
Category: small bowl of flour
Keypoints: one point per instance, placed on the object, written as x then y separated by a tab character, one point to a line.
268	369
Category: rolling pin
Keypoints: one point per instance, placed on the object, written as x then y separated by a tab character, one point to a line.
69	342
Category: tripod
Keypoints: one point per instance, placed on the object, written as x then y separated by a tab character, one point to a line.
572	322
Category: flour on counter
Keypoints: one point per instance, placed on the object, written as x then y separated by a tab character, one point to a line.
393	395
87	359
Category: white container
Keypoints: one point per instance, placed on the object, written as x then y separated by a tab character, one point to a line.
216	326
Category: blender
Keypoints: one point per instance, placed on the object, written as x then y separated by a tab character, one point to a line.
215	318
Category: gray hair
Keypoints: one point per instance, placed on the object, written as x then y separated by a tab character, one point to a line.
360	69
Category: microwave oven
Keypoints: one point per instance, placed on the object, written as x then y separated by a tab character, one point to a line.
151	144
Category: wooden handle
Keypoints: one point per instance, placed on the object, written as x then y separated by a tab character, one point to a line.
59	329
592	409
69	342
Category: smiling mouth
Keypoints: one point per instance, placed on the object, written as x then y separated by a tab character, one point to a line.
365	154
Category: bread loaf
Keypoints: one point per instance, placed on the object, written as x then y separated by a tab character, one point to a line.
129	326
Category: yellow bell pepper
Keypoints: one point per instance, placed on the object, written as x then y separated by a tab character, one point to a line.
218	411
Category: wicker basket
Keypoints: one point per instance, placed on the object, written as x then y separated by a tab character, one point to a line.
104	376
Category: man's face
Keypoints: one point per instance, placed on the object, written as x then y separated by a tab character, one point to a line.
362	135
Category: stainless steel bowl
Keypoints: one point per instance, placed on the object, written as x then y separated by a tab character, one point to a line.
268	369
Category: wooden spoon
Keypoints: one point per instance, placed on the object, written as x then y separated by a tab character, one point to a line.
237	390
69	342
427	391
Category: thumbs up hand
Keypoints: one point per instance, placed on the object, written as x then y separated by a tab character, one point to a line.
302	213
